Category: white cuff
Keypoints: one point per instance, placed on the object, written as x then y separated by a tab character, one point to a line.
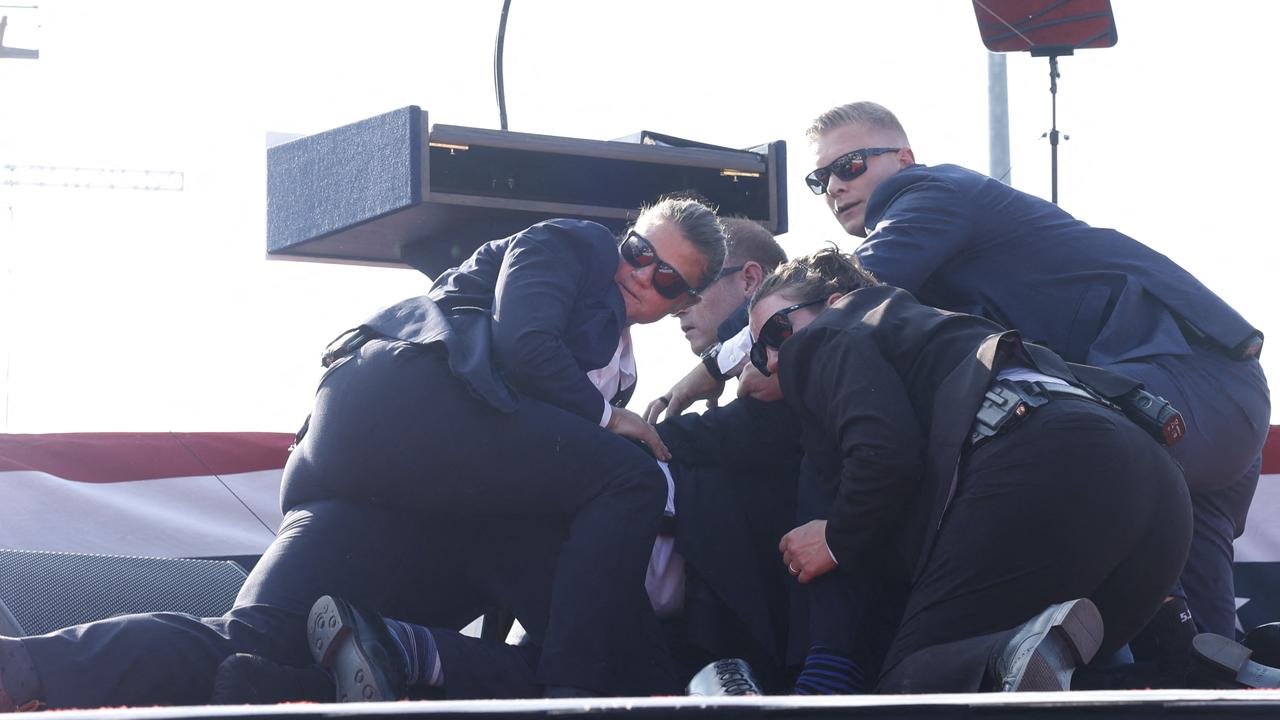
734	350
608	413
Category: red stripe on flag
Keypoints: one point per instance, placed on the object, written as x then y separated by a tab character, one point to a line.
1271	452
118	457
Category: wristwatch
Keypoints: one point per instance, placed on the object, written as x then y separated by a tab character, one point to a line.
711	361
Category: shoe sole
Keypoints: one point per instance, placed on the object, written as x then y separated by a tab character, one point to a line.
1231	661
1072	640
334	645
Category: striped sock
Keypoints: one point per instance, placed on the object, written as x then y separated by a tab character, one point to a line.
827	672
418	648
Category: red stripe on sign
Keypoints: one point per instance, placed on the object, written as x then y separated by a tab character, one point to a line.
118	457
1271	452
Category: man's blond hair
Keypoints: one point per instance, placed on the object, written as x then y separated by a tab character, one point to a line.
864	113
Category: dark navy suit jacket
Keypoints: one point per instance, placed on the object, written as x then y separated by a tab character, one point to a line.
529	314
962	241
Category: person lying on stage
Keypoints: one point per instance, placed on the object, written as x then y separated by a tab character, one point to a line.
481	405
1026	523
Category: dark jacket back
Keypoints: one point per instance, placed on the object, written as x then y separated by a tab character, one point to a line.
887	389
962	241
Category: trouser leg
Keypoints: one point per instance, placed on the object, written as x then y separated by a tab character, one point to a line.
169	658
511	564
1227	409
147	659
1076	502
1208	579
395	425
854	616
952	667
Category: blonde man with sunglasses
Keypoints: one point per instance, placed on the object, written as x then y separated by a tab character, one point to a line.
962	241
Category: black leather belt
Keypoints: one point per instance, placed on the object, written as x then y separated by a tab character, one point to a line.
667	526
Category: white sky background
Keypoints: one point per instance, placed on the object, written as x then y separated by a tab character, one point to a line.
149	311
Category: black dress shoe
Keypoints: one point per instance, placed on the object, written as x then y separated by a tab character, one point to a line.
1228	663
357	649
1048	648
244	679
1264	641
724	677
20	688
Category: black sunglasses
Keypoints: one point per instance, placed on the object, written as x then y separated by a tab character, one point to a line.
639	253
773	333
846	167
727	271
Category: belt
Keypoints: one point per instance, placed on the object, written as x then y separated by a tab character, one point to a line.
667	526
1007	402
345	344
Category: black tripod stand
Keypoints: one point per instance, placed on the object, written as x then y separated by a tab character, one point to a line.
1053	53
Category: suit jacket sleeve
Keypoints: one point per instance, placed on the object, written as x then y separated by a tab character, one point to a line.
543	273
920	222
746	436
842	384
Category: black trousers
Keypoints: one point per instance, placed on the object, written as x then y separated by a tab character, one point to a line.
1074	502
384	559
393	426
404	486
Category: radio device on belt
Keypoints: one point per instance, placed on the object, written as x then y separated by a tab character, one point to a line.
1153	414
1008	401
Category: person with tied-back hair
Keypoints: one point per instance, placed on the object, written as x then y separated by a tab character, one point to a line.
959	240
467	447
1027	522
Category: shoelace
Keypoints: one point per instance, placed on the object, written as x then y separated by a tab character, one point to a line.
734	680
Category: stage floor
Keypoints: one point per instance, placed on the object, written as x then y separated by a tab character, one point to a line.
1183	704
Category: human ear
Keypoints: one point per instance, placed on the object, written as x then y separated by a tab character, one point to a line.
754	274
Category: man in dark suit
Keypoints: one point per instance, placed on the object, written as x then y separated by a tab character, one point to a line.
734	469
1050	496
962	241
442	426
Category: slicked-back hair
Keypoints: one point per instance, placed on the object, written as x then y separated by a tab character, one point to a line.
747	240
816	276
864	113
699	224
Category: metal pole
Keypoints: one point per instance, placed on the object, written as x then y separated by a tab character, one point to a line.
499	85
998	118
1053	132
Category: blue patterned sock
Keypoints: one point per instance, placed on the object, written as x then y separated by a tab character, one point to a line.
828	672
418	648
